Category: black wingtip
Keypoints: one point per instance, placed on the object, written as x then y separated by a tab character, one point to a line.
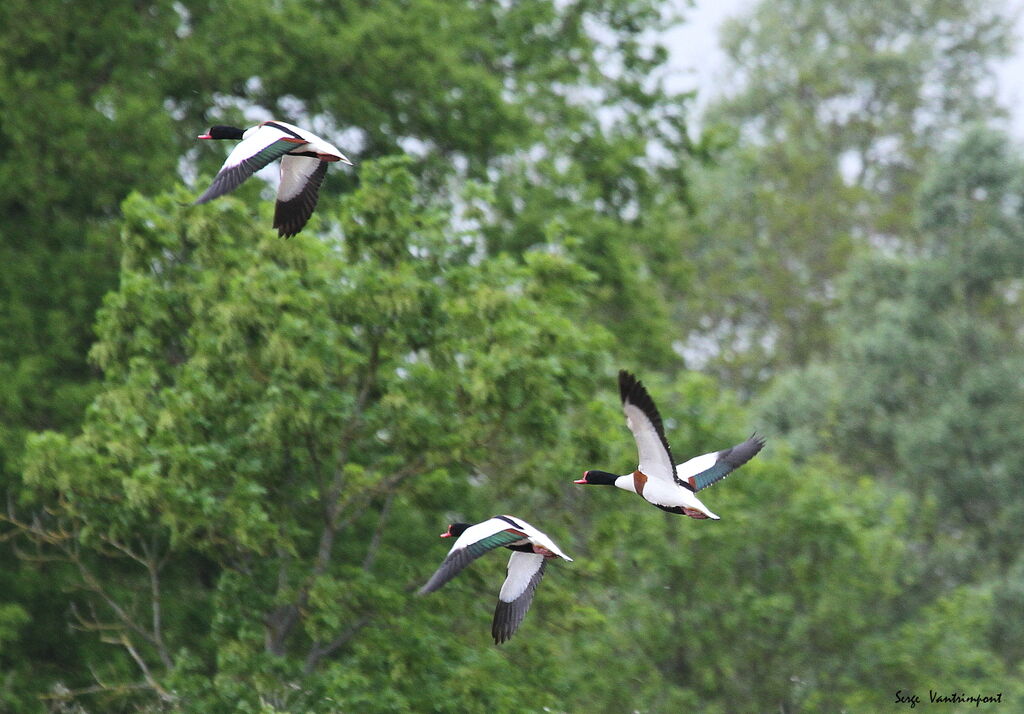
291	216
633	391
507	619
627	384
288	221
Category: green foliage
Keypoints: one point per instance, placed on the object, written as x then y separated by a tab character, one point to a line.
99	104
926	384
81	113
284	411
230	505
856	76
776	225
12	618
282	424
96	106
836	109
788	603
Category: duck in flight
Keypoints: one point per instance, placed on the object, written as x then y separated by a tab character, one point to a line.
531	550
304	158
657	478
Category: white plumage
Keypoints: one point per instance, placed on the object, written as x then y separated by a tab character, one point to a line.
304	158
531	548
656	478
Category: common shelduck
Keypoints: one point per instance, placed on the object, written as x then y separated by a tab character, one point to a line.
669	487
531	549
304	158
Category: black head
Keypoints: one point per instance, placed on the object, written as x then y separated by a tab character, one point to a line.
219	131
598	478
455	530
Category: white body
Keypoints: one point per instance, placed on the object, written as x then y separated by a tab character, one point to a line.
259	137
295	170
494	525
525	567
664	493
304	159
655	476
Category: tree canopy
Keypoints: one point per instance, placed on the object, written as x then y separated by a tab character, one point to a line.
225	457
838	109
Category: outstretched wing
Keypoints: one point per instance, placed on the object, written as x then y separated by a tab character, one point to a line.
297	193
524	573
474	542
643	420
702	471
250	155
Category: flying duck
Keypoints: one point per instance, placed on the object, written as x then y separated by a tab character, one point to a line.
304	158
669	487
530	550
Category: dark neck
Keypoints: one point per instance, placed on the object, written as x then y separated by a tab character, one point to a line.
601	478
457	529
226	132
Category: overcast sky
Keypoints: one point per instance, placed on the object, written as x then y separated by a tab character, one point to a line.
698	61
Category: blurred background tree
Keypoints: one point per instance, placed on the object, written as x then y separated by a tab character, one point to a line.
925	384
837	108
